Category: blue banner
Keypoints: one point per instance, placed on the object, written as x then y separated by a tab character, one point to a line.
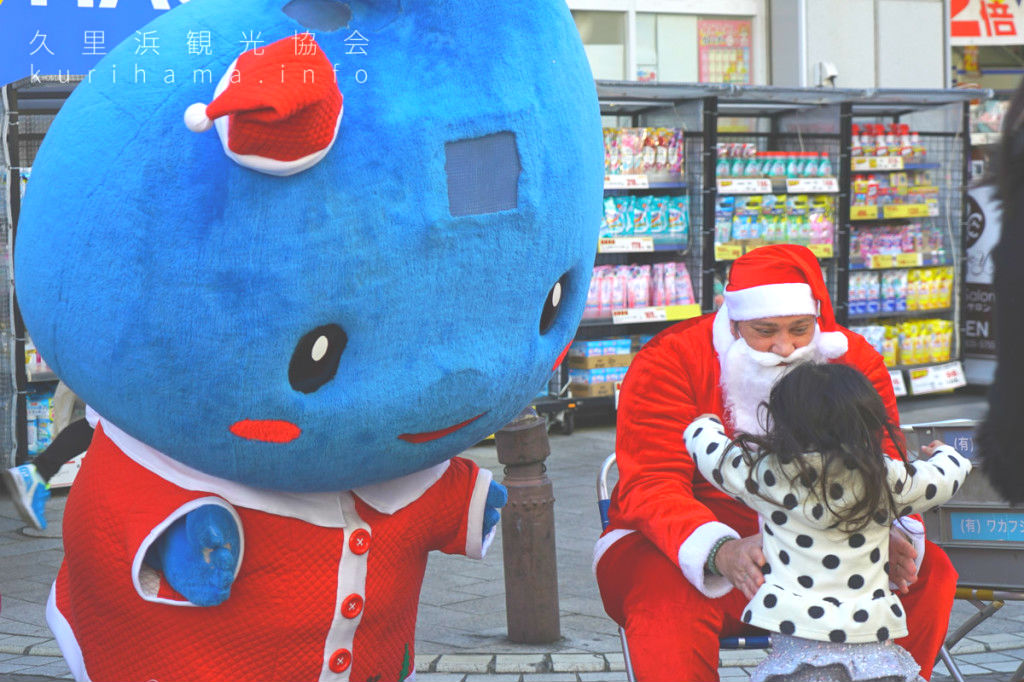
68	37
987	526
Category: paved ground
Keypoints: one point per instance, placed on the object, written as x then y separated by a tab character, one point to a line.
462	627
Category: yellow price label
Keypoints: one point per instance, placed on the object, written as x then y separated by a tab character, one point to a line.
821	250
881	260
863	212
909	260
682	312
728	251
905	210
919	373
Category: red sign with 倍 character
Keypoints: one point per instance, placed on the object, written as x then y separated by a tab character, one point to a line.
986	22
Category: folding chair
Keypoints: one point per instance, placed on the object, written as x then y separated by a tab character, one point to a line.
603	502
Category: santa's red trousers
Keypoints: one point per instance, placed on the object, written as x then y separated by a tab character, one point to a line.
673	630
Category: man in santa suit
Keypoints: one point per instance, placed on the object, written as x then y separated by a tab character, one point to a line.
676	547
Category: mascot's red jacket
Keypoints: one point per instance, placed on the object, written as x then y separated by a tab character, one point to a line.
310	564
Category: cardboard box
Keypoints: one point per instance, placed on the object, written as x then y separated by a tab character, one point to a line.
597	361
606	388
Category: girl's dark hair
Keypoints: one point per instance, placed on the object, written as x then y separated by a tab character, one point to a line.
834	410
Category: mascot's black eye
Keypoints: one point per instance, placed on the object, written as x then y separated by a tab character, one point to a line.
553	304
319	15
316	357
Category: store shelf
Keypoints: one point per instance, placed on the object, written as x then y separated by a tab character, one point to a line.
902	260
894	212
39	377
639	245
618	182
914	314
732	251
983	139
777	185
887	164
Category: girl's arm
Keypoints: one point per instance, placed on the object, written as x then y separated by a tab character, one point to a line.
706	441
930	482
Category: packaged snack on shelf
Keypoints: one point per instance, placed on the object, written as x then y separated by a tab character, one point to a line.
641	217
657	213
894	291
724	207
679	218
773	218
798	227
855	147
821	217
746	221
684	287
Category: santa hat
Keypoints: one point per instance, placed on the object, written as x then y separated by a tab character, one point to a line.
277	110
782	280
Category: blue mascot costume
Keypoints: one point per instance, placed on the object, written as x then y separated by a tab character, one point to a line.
293	280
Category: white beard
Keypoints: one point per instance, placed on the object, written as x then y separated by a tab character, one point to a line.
747	379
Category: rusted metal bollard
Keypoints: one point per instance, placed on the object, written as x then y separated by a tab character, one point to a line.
528	532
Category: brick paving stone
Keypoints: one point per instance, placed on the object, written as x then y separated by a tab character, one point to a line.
440	677
603	677
424	661
578	663
1002	666
520	663
464	663
616	661
495	677
982	659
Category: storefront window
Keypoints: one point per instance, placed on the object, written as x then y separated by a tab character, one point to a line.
604	40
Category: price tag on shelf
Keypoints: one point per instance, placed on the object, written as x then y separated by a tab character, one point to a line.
625	244
937	378
909	260
905	210
635	315
821	250
863	213
728	251
898	387
812	185
882	260
869	163
745	186
626	182
682	312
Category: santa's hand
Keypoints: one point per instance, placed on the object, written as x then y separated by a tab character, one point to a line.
902	567
497	497
198	554
740	561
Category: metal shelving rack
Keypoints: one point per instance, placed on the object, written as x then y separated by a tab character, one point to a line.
788	119
27	108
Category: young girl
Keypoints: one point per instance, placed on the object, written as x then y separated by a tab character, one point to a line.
827	496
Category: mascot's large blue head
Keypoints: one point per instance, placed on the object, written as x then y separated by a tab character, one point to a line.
317	314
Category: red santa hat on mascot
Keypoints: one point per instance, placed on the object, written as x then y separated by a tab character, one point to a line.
778	281
277	109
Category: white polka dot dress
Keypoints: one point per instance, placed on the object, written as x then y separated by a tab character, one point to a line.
822	583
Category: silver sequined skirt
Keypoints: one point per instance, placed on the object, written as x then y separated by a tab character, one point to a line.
792	659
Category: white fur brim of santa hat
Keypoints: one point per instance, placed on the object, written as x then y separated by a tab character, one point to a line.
831	344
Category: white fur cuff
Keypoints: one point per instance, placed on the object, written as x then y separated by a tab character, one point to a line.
693	555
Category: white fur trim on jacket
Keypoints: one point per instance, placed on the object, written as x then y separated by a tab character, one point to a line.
693	555
771	300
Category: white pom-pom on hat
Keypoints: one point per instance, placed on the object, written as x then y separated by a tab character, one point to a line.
196	119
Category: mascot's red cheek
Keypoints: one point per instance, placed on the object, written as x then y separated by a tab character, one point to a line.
434	435
266	430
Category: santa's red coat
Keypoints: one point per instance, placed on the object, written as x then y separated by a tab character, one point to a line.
672	381
327	591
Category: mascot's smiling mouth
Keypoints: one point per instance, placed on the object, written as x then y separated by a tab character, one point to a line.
266	430
434	435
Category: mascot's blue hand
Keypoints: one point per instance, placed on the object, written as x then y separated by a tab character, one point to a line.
497	496
198	554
